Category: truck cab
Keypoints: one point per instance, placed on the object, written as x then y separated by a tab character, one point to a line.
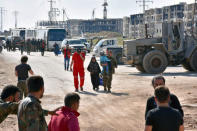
103	44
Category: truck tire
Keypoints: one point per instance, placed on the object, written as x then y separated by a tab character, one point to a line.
186	65
193	61
140	68
155	62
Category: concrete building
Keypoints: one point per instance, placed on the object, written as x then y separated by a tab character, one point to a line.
126	26
75	27
99	25
154	18
174	13
188	17
137	28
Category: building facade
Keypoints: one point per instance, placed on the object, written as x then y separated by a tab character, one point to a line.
153	19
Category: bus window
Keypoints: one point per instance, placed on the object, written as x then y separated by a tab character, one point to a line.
56	34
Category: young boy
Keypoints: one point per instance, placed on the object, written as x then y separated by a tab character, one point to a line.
105	62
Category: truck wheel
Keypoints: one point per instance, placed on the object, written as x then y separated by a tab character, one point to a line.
193	61
155	62
140	68
186	65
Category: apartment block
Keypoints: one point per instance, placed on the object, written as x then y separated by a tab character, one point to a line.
153	18
137	27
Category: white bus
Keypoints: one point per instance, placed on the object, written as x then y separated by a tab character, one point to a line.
30	34
20	32
51	36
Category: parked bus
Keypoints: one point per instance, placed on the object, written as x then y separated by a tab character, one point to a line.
51	36
20	32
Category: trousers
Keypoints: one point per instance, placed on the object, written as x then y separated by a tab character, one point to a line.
95	80
107	79
66	63
23	88
81	73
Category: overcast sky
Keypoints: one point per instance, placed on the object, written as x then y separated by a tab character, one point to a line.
31	11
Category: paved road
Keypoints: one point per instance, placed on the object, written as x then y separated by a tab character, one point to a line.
123	109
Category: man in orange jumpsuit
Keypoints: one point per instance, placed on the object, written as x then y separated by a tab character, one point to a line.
78	59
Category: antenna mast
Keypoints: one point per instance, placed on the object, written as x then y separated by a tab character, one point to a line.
144	3
53	11
105	9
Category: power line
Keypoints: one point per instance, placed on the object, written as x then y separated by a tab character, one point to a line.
144	3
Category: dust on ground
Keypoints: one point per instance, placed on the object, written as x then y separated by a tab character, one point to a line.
123	109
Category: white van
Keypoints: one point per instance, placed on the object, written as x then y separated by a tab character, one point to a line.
104	43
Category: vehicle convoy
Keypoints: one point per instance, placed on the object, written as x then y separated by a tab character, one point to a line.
74	44
49	35
155	54
103	44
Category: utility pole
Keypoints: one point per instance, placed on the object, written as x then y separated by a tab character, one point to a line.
16	18
144	3
93	13
2	11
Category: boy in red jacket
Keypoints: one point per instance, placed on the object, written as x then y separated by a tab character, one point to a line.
66	118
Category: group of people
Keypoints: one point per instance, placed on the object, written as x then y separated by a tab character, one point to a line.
24	100
28	46
77	66
163	110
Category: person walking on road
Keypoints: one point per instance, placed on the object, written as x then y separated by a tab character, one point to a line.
78	68
10	96
151	103
30	112
108	76
28	43
94	70
163	118
22	43
66	120
56	49
21	71
42	49
67	53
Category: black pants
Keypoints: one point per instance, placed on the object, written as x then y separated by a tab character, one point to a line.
95	80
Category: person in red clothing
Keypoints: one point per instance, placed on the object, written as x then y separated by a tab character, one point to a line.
66	118
67	53
42	48
78	68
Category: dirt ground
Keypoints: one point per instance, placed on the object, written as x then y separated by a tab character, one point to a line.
123	109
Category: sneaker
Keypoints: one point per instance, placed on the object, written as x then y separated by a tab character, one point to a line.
97	89
81	88
76	90
109	91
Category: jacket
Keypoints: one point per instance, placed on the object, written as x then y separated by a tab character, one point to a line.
66	120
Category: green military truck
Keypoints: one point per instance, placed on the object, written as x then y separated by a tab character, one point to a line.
153	55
